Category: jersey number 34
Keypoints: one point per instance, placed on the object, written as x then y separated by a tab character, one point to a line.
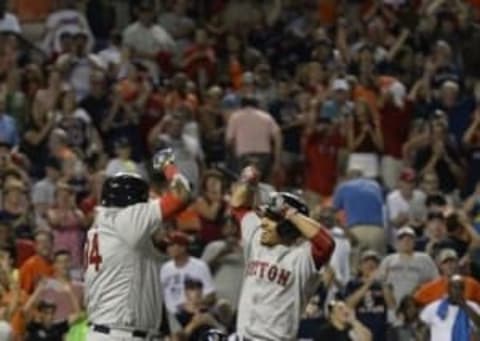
92	254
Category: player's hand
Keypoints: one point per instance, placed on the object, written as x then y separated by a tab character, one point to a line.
278	206
250	175
162	159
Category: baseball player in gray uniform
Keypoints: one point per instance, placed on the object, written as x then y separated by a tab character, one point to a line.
123	294
284	250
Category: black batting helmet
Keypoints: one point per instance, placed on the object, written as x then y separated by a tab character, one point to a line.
124	189
273	210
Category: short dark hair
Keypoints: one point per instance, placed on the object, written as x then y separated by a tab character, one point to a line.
45	305
435	199
249	101
192	283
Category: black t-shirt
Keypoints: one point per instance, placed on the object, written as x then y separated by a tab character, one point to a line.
285	111
22	230
38	332
372	309
473	170
447	179
184	317
97	108
329	332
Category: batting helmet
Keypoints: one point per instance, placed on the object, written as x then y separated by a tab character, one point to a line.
124	189
274	210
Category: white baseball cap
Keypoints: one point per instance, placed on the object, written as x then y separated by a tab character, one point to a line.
340	84
406	230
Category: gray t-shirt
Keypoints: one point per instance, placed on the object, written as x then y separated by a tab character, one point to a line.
407	273
229	274
278	283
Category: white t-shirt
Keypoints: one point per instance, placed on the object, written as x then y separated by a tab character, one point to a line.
441	330
415	207
340	260
173	278
9	23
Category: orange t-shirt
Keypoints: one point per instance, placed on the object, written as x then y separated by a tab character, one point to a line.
327	11
17	321
32	10
437	289
188	220
32	271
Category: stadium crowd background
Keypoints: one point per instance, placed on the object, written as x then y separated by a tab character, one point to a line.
368	109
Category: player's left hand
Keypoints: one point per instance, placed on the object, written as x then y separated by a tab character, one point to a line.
162	158
278	206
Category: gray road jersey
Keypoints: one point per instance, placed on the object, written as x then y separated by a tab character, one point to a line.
121	280
278	284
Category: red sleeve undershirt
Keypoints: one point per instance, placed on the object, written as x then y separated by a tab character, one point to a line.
322	245
170	205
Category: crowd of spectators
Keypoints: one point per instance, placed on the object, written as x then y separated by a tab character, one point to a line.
368	109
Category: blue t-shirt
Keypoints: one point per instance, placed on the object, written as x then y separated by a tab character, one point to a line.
362	201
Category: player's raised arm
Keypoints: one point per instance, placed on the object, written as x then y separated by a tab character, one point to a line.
179	192
130	193
297	221
244	191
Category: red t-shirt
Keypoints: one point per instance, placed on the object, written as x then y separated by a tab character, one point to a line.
395	124
321	154
207	63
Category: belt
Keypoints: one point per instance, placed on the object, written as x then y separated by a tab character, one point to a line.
107	330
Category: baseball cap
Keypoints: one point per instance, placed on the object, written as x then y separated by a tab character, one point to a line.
178	238
14	185
370	254
408	175
340	84
406	230
230	102
446	254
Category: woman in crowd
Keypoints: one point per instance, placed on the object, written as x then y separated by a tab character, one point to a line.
68	224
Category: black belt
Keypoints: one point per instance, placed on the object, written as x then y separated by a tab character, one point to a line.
106	330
